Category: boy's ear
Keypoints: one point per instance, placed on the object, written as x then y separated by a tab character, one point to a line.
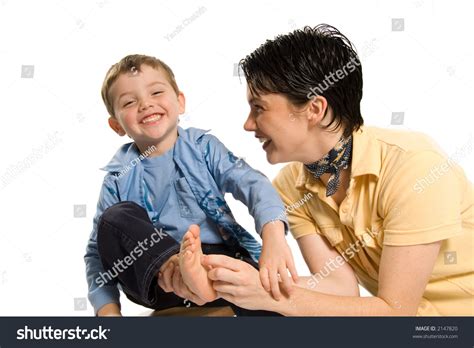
182	102
116	127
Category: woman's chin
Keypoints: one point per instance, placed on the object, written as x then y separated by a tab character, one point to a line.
272	158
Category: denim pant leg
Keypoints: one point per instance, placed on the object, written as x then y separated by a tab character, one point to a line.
130	254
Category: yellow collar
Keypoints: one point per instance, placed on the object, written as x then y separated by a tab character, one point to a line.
366	160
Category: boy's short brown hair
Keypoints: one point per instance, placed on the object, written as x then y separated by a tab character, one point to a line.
130	64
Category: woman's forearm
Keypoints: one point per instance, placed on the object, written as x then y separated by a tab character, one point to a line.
330	285
304	302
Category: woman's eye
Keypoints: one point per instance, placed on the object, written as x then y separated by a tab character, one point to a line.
258	109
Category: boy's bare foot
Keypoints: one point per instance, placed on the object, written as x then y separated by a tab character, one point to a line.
193	272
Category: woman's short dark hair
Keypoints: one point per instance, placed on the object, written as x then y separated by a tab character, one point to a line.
309	62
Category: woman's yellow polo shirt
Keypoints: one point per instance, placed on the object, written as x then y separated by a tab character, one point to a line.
403	191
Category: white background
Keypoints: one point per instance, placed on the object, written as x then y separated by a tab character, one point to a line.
54	126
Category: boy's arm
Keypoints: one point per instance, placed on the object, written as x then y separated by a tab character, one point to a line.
100	293
251	187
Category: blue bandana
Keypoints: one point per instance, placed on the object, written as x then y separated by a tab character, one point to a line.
339	158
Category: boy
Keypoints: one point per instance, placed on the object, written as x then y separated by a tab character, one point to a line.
168	181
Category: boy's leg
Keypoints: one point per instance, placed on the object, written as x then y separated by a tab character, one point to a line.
122	231
132	251
193	273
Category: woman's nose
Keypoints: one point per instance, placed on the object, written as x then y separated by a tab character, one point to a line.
250	124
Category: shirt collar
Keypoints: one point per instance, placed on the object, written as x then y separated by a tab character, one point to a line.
122	158
366	154
129	154
366	160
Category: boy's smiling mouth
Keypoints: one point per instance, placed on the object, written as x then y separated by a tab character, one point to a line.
151	118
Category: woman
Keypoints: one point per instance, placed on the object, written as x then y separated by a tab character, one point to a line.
380	208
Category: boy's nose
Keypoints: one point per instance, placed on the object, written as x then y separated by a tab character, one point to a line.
250	124
144	104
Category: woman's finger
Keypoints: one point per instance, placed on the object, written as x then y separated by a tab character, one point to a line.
285	278
227	297
292	269
167	274
274	284
196	300
222	261
176	281
224	274
225	287
264	278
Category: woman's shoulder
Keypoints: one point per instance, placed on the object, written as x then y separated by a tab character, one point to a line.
291	169
400	140
290	174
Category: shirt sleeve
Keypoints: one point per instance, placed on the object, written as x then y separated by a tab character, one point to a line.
251	187
109	293
421	200
300	219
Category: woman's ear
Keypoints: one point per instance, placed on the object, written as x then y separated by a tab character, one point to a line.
116	127
318	107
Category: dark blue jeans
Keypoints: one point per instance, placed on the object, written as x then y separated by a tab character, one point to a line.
132	251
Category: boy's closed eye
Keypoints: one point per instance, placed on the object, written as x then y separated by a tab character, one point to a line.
128	103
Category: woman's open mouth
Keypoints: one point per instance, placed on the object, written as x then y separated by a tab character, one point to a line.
265	142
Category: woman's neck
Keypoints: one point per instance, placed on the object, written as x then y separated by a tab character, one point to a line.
319	143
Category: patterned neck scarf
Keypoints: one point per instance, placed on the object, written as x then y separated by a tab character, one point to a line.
339	158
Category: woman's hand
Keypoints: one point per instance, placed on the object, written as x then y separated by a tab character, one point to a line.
238	282
165	275
170	280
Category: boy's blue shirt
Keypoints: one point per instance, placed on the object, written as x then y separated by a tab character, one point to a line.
203	171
